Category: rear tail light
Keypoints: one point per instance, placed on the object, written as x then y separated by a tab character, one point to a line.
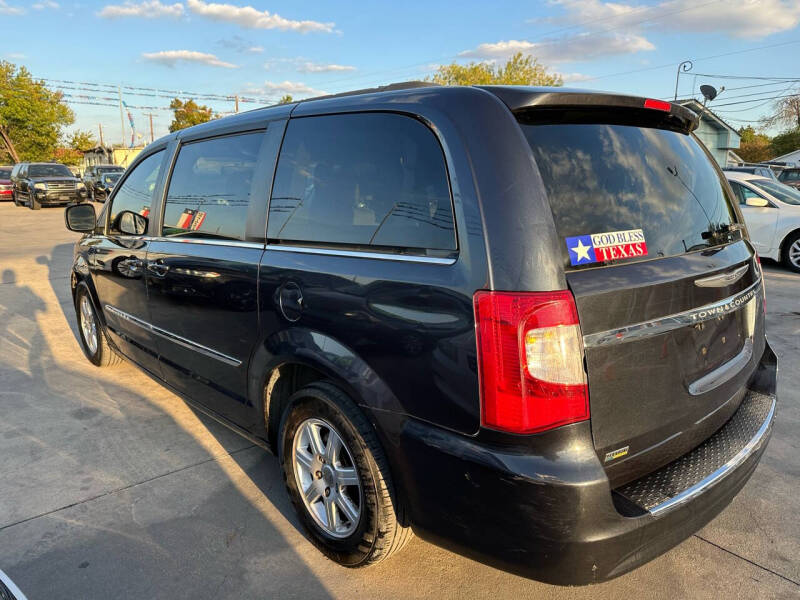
530	361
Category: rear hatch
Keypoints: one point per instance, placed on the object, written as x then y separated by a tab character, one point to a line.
667	289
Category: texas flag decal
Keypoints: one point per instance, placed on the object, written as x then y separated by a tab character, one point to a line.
601	247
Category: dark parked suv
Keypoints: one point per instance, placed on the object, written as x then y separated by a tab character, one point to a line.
45	184
525	323
100	179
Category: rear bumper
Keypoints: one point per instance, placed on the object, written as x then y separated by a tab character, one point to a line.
543	507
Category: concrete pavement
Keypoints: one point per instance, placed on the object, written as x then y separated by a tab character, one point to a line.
111	487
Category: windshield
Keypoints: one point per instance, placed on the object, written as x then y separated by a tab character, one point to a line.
5	173
619	192
110	169
111	178
49	171
784	193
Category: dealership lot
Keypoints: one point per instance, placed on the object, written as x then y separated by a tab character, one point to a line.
112	487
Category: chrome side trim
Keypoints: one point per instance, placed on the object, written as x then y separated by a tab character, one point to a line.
433	260
722	279
724	372
181	341
234	243
701	486
670	322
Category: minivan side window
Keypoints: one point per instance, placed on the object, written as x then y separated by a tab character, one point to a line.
136	192
210	188
362	180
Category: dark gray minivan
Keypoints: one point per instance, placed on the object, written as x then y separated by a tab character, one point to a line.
524	323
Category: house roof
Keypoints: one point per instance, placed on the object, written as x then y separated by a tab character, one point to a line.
788	154
698	107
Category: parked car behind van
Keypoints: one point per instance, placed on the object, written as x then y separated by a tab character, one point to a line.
5	183
790	177
45	184
100	179
526	324
772	213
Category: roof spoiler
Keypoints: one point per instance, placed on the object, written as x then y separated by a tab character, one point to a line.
546	104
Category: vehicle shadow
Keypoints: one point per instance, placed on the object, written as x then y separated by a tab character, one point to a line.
113	487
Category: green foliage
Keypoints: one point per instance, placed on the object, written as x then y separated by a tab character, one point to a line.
520	69
786	142
754	147
188	113
32	115
81	140
287	99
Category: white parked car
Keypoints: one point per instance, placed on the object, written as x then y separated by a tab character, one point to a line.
772	213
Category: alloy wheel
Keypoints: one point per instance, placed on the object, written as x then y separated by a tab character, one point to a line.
326	477
88	324
794	253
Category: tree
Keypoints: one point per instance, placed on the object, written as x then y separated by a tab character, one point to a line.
188	113
787	112
287	99
754	147
31	116
786	142
520	69
81	140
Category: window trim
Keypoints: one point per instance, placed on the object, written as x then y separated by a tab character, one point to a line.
350	250
159	234
110	201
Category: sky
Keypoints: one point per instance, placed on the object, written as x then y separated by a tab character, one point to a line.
153	50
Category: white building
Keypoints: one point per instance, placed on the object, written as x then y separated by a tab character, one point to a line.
792	159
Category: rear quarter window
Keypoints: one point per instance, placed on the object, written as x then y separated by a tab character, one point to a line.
362	180
644	184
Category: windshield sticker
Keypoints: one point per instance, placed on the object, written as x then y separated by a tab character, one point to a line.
601	247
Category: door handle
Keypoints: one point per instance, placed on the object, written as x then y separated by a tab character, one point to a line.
133	264
159	269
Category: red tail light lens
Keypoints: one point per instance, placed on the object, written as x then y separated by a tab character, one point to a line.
530	358
657	104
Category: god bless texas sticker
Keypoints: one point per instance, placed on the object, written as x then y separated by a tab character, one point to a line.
611	245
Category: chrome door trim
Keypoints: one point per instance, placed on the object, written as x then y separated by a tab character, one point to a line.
234	243
722	279
701	486
181	341
359	254
670	322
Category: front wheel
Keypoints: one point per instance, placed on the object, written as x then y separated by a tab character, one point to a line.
338	478
33	203
791	252
93	340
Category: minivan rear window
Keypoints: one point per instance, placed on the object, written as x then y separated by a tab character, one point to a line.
654	192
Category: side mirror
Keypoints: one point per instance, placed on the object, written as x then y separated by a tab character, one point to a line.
755	201
131	223
80	218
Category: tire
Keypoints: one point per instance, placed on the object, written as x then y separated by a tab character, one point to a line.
14	198
33	203
99	353
379	529
790	257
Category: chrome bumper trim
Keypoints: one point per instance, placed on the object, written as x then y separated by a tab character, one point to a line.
701	486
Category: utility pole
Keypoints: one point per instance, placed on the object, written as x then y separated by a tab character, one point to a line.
151	127
102	144
236	104
121	118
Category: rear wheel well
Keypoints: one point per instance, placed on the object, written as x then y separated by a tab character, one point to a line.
281	383
786	239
